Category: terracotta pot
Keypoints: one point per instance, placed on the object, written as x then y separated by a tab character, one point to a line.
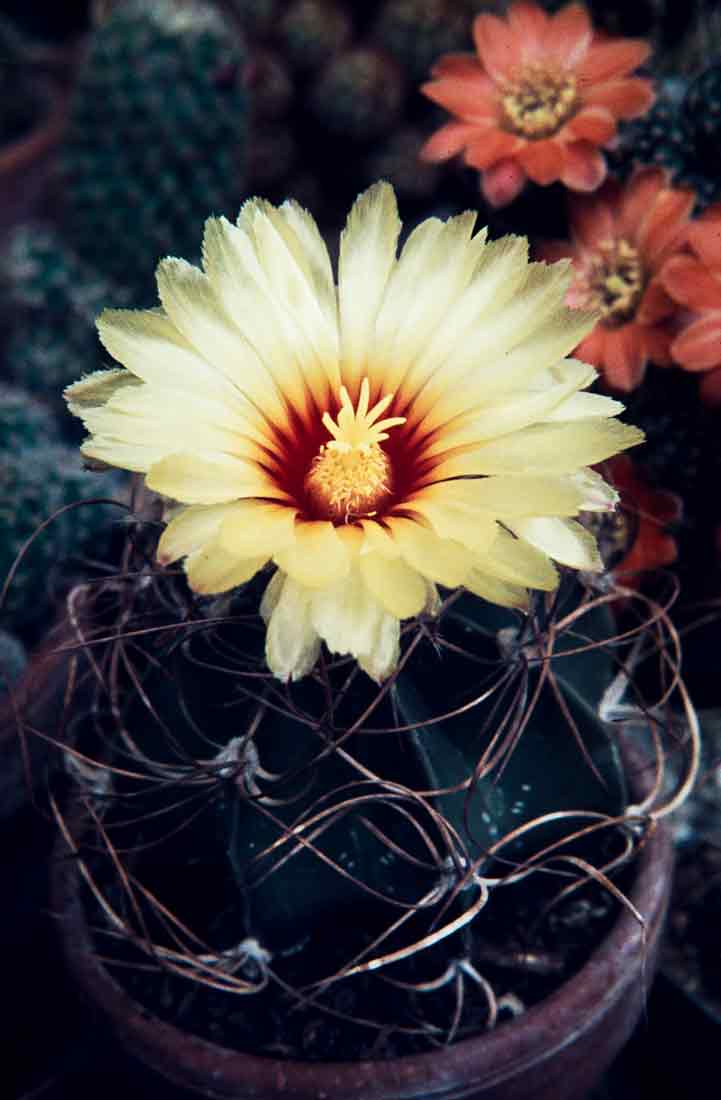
557	1050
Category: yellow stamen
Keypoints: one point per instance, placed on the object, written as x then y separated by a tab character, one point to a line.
539	102
616	281
351	474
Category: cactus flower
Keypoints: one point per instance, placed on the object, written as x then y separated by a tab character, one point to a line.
621	237
414	425
538	100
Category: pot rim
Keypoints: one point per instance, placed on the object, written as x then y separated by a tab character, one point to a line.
618	964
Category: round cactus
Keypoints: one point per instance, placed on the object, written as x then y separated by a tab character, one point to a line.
702	116
359	94
24	421
53	298
417	32
157	135
13	660
34	483
312	31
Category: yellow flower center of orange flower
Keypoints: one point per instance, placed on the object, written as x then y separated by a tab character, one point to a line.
539	102
616	281
351	474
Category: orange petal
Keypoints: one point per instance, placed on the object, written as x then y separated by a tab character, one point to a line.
530	23
710	387
665	226
542	160
466	98
705	238
657	344
624	98
569	35
689	282
639	196
655	304
595	124
624	358
608	60
492	146
698	347
503	182
592	348
462	65
448	141
592	219
498	47
584	168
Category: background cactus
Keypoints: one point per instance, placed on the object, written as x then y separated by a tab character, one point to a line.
157	136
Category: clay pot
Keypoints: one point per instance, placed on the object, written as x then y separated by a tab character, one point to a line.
557	1050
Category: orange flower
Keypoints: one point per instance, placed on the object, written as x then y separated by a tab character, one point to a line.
644	514
694	281
542	94
621	237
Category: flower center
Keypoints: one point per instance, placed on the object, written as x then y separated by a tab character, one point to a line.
351	474
616	281
539	102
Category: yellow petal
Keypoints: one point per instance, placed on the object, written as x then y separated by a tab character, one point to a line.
93	390
545	449
450	520
193	479
367	255
292	644
212	570
401	590
497	591
189	530
350	620
253	527
440	560
317	558
515	561
512	496
563	539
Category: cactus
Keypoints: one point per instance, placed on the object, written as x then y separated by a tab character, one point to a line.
359	94
312	31
34	483
53	298
22	98
24	421
156	136
417	32
13	659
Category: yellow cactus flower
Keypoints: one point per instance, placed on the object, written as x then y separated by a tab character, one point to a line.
414	425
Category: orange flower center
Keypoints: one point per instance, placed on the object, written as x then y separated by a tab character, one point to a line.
539	102
616	281
351	475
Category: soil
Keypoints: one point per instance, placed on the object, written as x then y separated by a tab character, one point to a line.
691	956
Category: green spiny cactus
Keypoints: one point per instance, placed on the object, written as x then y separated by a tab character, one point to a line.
24	421
312	31
21	96
359	94
34	483
13	660
417	32
53	298
157	135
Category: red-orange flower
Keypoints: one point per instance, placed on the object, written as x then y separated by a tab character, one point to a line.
693	279
621	237
646	514
537	100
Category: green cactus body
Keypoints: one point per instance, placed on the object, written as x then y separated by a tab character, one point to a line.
312	31
157	135
53	298
359	94
34	483
334	823
13	660
417	32
24	421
